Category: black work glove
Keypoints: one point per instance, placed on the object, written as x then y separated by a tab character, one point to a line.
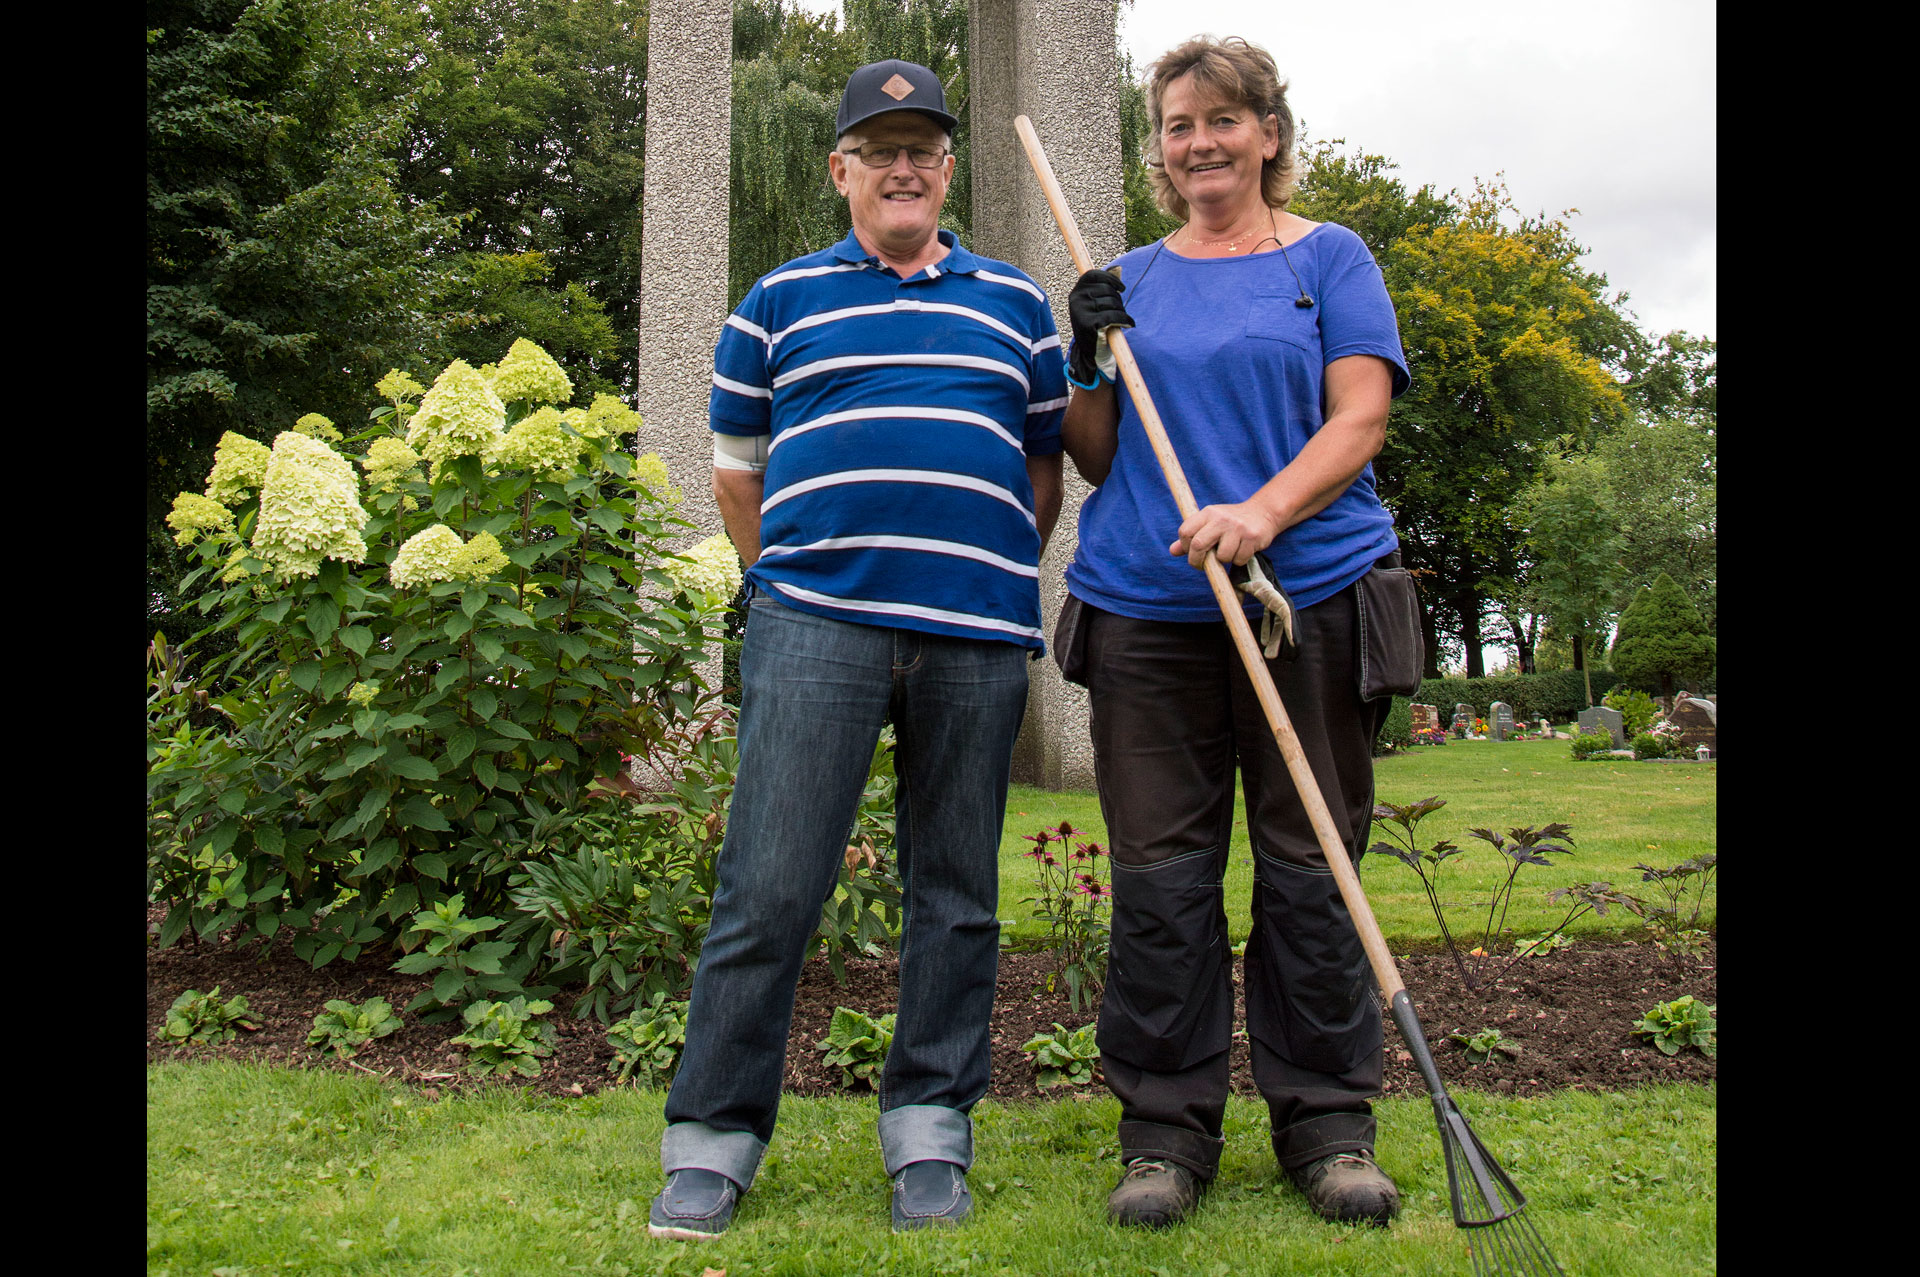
1092	307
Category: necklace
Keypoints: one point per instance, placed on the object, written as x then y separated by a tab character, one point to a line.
1235	242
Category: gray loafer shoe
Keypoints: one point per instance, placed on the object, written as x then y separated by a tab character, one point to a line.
696	1205
930	1194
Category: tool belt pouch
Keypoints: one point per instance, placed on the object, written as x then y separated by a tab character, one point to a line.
1391	649
1070	641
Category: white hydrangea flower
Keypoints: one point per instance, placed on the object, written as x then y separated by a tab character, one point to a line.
709	570
194	515
426	557
529	372
538	442
650	472
309	507
459	417
239	465
318	427
479	558
389	463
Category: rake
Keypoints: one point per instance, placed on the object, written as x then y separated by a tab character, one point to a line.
1485	1201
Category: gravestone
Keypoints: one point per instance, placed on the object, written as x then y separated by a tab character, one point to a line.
1604	718
1462	718
1697	721
1499	720
1426	718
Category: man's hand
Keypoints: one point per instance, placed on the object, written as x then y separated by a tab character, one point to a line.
1092	307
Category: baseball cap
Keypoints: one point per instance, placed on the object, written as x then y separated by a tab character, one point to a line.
893	85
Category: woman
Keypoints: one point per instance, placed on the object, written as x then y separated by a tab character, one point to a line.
1271	350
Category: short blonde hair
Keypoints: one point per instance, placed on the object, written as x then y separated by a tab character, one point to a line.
1240	73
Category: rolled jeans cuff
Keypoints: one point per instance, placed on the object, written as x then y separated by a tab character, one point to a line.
697	1146
1317	1137
1198	1153
925	1133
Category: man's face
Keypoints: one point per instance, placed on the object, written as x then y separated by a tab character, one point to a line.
898	207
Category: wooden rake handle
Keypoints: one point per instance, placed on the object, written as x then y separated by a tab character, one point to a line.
1223	592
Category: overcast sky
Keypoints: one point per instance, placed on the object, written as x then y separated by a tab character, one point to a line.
1605	108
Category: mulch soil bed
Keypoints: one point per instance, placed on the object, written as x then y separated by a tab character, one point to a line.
1571	1013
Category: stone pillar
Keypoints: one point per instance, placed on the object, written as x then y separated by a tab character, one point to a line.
683	263
1053	61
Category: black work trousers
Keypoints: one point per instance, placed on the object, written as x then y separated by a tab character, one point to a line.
1173	715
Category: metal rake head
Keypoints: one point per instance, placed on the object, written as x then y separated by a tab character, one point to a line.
1502	1239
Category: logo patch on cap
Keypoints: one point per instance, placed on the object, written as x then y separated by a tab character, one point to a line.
897	88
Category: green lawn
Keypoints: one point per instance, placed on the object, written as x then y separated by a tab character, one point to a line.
1622	813
254	1170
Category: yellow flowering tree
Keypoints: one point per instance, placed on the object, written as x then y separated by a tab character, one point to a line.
447	626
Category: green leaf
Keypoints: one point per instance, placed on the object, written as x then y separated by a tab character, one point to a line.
413	767
305	675
484	770
378	856
418	813
507	727
474	599
334	681
485	702
432	864
322	617
459	744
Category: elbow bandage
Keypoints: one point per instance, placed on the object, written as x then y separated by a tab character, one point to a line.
741	452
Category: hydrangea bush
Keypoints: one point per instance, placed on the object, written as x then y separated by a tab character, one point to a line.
448	626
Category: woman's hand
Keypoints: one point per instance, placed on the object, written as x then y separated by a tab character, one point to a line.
1235	533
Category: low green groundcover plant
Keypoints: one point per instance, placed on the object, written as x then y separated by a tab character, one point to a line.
462	972
203	1017
647	1044
1482	1043
1674	1026
1591	745
1065	1057
343	1028
858	1044
504	1037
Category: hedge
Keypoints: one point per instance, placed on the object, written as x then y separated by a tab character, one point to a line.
1558	696
1397	731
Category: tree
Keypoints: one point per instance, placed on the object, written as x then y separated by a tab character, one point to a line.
1663	641
286	271
505	296
1510	343
1574	542
1662	474
789	68
536	136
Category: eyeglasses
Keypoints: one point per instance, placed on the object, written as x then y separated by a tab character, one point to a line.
883	156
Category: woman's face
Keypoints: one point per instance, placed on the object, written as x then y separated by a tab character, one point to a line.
1213	149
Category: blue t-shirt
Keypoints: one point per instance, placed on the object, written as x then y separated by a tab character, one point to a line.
902	414
1236	371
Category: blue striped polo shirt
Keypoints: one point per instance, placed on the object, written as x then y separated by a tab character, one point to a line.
902	413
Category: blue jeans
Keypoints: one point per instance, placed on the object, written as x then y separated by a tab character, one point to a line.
815	693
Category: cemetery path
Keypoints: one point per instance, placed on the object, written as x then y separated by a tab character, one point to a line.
1571	1014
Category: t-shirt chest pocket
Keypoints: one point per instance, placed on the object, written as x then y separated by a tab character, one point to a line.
1272	316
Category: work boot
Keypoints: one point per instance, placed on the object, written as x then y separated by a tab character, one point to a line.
696	1205
1348	1188
1153	1194
928	1194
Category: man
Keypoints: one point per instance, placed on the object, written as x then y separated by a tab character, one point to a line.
886	418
